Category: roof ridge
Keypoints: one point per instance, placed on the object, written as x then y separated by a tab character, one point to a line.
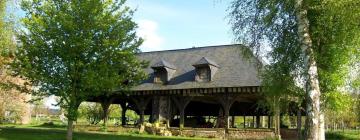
192	48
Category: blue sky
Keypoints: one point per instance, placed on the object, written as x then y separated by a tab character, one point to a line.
177	24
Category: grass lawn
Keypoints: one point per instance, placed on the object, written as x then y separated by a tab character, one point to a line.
39	133
28	132
343	135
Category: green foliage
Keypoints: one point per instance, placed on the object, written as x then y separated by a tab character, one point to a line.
334	29
92	112
114	111
78	49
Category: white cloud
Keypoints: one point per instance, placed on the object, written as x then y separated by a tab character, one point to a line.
148	31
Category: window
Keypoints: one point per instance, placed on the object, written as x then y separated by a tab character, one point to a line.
203	74
160	76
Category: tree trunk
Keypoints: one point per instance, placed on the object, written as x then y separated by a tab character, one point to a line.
277	117
105	106
123	113
312	83
69	134
322	127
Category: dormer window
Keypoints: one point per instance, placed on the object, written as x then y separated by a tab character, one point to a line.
163	72
160	75
205	70
203	74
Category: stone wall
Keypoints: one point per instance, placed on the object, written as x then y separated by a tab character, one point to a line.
220	133
251	134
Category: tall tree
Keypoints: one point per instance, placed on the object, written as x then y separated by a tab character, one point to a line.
76	49
11	100
324	32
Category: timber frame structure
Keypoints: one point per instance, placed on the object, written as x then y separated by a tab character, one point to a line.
215	81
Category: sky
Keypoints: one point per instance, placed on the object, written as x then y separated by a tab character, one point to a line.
178	24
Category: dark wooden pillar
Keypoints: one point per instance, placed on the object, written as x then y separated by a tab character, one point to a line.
226	102
233	121
123	113
253	121
298	125
226	116
141	103
244	121
269	121
257	121
181	103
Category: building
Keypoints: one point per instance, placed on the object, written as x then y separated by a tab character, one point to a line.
215	81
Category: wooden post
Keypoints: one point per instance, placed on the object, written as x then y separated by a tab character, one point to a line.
253	121
269	121
244	121
141	104
226	117
298	125
257	121
182	118
233	121
226	102
181	103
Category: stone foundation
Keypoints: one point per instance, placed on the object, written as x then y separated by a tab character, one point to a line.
251	134
220	133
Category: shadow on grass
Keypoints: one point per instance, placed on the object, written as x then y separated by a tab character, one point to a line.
46	125
41	134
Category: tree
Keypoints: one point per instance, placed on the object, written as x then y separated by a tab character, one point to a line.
13	106
323	35
92	112
77	49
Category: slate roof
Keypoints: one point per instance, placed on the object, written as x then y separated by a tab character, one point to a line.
234	70
163	63
205	61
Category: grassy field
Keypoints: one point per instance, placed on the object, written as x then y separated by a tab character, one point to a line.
40	133
343	135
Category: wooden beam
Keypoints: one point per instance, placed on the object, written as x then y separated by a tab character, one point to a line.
141	103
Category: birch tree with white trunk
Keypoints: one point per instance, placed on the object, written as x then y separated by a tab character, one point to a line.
308	41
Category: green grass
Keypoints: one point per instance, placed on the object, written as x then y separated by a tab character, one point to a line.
46	133
343	135
43	132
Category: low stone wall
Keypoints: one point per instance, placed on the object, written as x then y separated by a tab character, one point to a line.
220	133
251	134
199	132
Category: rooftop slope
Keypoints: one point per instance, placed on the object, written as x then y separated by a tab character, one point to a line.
234	70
